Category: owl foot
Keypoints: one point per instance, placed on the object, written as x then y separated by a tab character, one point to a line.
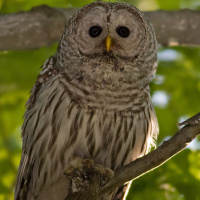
84	173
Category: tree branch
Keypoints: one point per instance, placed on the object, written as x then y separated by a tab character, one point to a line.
146	163
44	25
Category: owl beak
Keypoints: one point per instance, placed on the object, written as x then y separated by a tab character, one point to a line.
108	43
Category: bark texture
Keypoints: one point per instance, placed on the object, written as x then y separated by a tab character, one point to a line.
44	25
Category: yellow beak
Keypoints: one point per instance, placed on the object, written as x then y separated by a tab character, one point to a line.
108	42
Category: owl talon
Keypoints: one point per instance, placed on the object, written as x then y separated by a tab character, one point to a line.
78	163
84	173
105	173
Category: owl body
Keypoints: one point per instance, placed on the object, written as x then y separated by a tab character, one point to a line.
89	100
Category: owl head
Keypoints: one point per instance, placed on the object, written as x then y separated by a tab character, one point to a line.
109	38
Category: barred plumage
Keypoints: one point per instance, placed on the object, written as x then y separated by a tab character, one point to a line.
89	103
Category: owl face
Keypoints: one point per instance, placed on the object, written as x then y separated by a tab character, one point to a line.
109	28
108	44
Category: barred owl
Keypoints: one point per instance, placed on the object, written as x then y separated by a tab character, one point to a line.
91	100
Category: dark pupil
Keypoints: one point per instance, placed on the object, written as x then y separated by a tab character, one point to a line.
123	31
95	31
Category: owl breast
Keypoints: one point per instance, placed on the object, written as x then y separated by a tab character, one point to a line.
72	124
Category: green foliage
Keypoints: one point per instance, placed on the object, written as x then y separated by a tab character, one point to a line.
178	179
19	70
175	92
181	84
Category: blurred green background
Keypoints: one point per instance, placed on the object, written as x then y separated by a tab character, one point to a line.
175	92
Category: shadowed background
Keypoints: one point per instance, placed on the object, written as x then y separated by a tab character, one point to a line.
175	92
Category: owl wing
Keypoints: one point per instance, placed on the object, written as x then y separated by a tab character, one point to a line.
27	157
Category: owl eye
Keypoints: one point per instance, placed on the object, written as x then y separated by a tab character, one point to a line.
95	31
123	31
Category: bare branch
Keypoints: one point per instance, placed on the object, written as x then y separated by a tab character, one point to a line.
38	27
176	28
147	163
44	25
157	157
